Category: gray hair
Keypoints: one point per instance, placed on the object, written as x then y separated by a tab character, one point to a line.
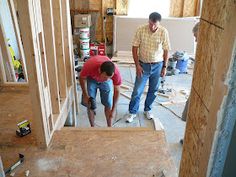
195	28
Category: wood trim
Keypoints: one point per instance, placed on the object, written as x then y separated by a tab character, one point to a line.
65	108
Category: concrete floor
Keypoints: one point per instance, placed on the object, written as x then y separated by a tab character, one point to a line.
174	127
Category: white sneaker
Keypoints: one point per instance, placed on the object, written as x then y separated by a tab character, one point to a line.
130	118
148	115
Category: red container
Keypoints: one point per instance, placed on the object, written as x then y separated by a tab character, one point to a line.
97	49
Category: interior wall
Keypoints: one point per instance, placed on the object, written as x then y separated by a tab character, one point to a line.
180	32
209	87
99	6
5	15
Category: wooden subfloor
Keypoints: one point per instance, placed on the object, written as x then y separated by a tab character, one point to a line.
136	152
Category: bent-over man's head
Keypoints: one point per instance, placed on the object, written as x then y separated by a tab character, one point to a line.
154	21
107	70
195	30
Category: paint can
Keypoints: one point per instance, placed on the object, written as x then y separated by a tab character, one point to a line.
84	44
84	53
84	33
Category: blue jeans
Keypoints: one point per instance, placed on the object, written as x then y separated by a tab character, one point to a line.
151	72
105	88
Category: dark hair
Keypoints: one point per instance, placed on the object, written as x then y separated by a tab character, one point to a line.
108	67
154	17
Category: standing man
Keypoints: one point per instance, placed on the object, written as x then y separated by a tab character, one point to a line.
100	73
150	53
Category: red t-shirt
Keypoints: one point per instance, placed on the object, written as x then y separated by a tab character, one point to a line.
92	66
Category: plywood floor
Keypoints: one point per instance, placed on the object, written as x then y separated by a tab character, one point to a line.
96	152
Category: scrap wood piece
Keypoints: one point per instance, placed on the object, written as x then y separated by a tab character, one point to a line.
125	62
164	106
164	95
157	124
123	86
125	95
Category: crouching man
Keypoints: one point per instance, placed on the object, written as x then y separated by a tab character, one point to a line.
100	73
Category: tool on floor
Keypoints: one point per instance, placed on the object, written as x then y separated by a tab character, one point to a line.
23	128
162	89
2	173
20	161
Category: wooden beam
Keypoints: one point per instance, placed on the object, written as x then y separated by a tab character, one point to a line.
3	78
7	61
18	36
65	108
68	59
48	27
27	21
59	41
71	52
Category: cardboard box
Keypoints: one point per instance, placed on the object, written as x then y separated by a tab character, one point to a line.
82	20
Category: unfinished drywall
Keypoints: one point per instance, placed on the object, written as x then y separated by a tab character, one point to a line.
180	32
225	125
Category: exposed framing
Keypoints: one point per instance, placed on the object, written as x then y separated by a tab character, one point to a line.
6	57
18	36
59	44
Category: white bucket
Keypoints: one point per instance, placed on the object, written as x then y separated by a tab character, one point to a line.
84	33
84	53
84	44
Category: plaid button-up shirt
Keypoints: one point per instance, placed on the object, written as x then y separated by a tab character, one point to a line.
151	45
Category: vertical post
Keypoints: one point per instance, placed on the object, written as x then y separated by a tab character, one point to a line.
50	47
29	38
2	70
59	41
66	42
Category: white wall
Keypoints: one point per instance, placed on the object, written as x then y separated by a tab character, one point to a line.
180	32
6	19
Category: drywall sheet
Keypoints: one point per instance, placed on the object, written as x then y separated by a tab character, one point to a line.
180	32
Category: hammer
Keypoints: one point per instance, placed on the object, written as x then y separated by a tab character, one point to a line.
21	160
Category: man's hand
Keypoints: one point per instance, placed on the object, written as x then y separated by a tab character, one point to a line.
86	99
139	70
163	72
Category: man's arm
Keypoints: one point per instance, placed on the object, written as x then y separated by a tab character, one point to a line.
82	82
165	62
139	69
115	97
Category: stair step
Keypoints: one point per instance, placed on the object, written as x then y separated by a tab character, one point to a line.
106	129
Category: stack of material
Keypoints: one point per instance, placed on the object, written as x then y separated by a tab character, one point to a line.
82	22
123	57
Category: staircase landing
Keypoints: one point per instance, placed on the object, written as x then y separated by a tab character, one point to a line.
96	152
